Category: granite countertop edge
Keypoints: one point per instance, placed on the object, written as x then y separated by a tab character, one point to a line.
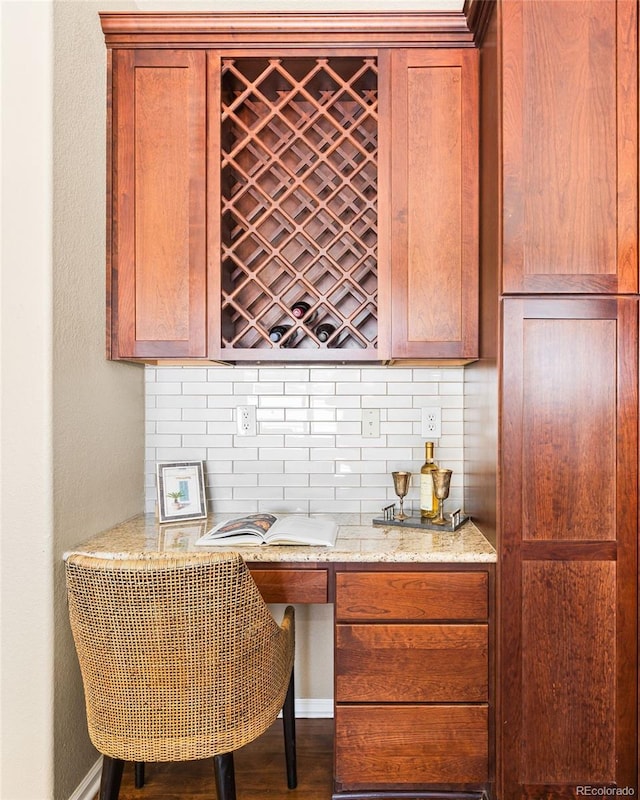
358	541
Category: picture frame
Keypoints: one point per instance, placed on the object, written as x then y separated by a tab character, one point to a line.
181	492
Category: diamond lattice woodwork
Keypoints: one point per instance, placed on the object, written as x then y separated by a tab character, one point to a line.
299	206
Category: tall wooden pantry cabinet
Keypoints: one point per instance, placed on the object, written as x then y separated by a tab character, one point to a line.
560	125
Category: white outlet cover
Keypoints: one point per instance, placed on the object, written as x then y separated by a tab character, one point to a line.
246	420
431	423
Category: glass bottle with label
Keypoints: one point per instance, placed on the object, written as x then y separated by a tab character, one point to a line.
428	501
278	332
324	331
302	311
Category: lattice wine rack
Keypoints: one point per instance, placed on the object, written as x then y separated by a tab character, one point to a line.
299	211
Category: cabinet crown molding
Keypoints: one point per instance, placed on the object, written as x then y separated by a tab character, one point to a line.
304	29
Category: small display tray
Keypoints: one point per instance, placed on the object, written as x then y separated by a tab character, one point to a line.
454	521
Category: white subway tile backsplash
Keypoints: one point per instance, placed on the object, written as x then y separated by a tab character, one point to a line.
309	454
290	401
209	414
256	389
178	376
158	387
279	479
290	428
334	374
182	426
181	401
361	387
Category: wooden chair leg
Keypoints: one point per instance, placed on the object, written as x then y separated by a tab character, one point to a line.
139	767
111	778
289	724
225	776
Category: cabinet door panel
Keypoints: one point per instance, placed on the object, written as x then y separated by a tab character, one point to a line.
412	663
434	229
569	378
412	745
570	145
569	545
159	259
565	606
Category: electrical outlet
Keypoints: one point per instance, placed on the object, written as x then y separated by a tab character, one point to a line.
246	420
371	423
431	423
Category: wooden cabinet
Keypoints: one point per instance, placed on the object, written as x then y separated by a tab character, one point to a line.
570	146
568	422
568	552
246	179
434	228
157	259
412	682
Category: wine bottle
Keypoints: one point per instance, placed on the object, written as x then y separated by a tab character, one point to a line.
300	309
277	332
428	500
324	331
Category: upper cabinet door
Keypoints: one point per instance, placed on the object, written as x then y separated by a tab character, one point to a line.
158	258
570	146
433	295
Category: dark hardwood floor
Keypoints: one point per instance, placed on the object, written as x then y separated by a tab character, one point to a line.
260	770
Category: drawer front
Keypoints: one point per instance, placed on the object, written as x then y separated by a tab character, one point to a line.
292	585
388	596
380	747
411	663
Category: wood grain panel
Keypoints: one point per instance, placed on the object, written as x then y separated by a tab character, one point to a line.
389	596
159	259
411	663
569	668
569	428
570	139
569	388
162	202
435	221
568	590
292	585
398	746
434	204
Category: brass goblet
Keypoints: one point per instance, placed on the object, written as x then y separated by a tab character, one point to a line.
441	483
401	487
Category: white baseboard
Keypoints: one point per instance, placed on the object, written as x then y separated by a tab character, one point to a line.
90	785
312	708
306	708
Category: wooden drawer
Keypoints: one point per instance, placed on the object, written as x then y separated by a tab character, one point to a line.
292	585
389	596
378	747
411	663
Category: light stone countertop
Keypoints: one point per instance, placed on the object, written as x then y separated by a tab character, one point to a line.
358	541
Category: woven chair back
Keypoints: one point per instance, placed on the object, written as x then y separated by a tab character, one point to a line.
180	656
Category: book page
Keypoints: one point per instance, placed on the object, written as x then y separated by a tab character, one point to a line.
256	529
294	529
251	524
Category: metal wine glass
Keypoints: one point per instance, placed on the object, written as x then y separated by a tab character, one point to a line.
441	483
401	487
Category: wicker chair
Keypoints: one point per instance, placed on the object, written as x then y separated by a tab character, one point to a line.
181	659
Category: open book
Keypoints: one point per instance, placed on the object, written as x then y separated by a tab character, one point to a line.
269	529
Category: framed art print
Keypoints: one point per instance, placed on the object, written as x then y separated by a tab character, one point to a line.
181	494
